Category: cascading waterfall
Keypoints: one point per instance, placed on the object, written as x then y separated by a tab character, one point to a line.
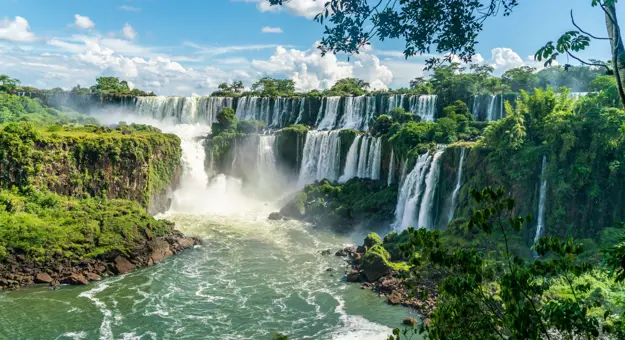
186	110
321	157
354	112
424	106
370	112
329	113
362	158
426	218
351	163
410	193
302	107
540	225
403	172
391	164
454	195
375	158
491	108
268	174
415	204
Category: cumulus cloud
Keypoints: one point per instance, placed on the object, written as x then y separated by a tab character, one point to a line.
16	30
83	22
309	70
269	29
129	32
303	8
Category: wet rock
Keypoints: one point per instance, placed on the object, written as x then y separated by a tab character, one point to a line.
347	251
410	322
43	278
160	250
353	276
375	263
77	279
275	216
121	265
395	298
186	242
326	252
330	269
93	277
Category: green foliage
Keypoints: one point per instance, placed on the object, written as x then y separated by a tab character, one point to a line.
400	115
508	134
602	83
509	298
114	86
372	239
44	226
271	87
382	125
226	121
7	83
522	78
18	108
348	86
234	89
250	126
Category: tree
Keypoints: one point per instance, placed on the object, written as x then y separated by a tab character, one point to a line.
110	85
450	27
577	40
80	90
521	78
237	86
347	86
7	83
223	87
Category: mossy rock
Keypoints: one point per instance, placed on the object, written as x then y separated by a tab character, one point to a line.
372	239
376	262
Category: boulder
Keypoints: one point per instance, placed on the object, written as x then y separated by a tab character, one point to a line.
275	216
77	279
347	251
121	265
326	252
186	242
395	298
43	278
93	277
160	250
353	276
410	322
375	263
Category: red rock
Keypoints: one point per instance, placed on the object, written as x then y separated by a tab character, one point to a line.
121	265
43	278
395	298
160	250
93	277
77	279
186	242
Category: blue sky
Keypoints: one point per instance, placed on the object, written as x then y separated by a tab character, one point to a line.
183	47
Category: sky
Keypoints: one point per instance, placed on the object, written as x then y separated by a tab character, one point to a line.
186	47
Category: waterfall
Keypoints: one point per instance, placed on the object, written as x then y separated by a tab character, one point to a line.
351	163
362	158
375	158
330	113
540	225
354	112
391	164
410	193
268	175
424	106
454	195
187	110
403	171
302	103
426	218
416	196
321	157
370	112
491	108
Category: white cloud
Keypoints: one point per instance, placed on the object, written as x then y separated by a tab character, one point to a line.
83	22
505	59
129	32
303	8
268	29
310	70
16	30
129	8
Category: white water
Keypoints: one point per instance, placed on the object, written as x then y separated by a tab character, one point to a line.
329	113
351	162
391	164
540	225
409	194
375	158
321	157
426	211
354	112
269	181
454	195
424	106
187	110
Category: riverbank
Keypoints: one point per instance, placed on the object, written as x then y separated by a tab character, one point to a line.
17	271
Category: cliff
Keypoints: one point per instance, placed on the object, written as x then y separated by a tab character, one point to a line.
135	163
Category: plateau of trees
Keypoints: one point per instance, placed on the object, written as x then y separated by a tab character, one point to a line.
103	86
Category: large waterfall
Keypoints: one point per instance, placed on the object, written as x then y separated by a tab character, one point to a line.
415	204
424	106
540	225
275	112
351	162
328	113
321	157
269	178
488	107
454	195
188	110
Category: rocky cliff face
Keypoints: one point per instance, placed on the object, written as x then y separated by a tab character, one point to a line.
138	166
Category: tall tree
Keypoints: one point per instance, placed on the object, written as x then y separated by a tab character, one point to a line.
521	78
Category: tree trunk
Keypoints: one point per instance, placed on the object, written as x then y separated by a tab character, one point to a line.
618	49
